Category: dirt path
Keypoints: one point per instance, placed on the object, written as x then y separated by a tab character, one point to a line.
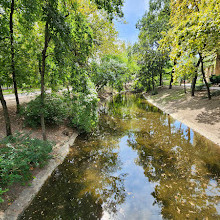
199	113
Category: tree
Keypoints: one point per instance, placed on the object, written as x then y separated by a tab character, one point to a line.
113	7
152	24
6	114
111	71
193	33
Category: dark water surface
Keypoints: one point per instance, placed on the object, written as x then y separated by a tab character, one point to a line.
140	164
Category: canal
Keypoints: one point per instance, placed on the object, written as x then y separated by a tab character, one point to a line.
139	164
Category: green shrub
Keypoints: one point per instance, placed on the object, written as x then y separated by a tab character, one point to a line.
154	92
1	193
18	155
54	111
83	108
201	86
84	113
214	79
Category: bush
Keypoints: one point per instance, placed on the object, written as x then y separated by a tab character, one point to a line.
83	108
54	111
1	193
19	154
154	92
214	79
201	86
84	112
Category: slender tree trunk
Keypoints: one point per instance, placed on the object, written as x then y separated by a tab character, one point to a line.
171	79
184	82
13	56
193	86
46	42
203	74
5	112
152	79
161	79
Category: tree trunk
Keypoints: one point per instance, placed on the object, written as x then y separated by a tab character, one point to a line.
5	112
203	74
193	86
161	79
13	56
42	72
152	78
171	79
184	82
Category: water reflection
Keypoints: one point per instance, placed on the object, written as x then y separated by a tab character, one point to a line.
140	164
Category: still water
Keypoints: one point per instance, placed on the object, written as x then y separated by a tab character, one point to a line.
139	164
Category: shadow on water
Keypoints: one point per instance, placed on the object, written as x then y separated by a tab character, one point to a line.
139	164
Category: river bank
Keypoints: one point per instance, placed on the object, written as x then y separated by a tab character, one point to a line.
20	195
199	113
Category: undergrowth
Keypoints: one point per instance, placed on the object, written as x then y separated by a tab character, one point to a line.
18	156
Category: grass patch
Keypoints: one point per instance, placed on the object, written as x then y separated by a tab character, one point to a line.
20	91
169	96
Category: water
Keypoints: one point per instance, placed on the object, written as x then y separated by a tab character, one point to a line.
140	164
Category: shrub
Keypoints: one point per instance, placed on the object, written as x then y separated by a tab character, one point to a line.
1	193
154	92
201	86
84	113
54	111
83	108
214	79
19	154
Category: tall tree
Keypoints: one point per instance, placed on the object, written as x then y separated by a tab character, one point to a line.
13	54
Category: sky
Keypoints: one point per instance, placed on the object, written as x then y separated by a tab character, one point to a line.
133	11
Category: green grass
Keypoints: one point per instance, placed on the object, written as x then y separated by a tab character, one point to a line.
20	91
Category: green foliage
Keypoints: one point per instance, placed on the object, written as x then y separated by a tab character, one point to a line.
18	155
214	79
151	60
155	92
111	6
201	86
112	71
1	193
54	111
82	107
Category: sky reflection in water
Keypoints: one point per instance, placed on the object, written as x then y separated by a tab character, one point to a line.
140	164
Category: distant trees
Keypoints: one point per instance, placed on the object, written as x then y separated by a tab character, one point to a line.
152	61
186	30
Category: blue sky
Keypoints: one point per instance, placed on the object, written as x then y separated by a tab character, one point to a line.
133	11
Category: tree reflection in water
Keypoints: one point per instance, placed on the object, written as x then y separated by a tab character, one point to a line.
183	167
